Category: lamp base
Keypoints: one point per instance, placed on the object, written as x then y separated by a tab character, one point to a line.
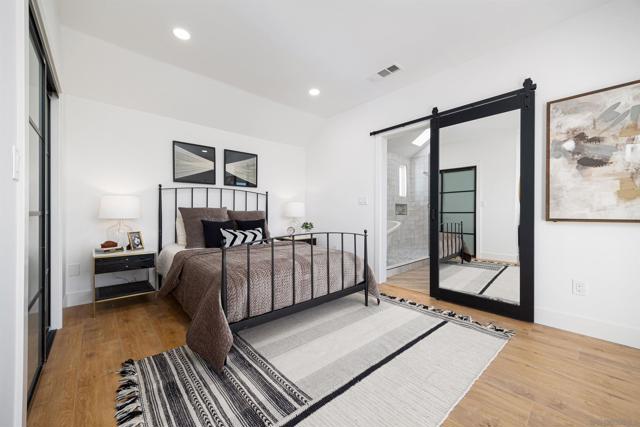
118	233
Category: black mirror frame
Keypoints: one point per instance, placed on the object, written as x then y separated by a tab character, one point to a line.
523	100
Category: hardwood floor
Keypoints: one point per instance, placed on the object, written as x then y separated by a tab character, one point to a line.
416	279
543	376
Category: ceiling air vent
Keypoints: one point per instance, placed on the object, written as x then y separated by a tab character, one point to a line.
385	72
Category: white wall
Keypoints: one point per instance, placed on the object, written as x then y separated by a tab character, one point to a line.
115	150
104	72
13	71
590	51
121	111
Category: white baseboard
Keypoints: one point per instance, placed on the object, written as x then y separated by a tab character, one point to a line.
496	256
595	328
78	298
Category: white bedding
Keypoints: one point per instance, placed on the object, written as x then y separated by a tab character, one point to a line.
165	259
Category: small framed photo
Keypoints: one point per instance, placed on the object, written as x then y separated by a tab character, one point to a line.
135	240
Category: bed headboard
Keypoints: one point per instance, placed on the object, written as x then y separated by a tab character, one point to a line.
203	196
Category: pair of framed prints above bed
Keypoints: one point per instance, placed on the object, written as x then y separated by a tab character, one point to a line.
196	164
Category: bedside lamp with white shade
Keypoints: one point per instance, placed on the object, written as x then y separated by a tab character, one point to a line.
295	211
120	208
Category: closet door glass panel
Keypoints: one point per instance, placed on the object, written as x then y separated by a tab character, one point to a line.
479	172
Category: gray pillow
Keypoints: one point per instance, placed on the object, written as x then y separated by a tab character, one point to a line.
251	216
193	217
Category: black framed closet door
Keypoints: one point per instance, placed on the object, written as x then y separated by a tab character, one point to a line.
38	289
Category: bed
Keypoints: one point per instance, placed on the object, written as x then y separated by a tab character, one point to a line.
227	289
451	244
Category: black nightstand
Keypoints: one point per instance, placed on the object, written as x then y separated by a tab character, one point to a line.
301	239
122	261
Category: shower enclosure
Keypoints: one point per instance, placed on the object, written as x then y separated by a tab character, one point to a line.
407	198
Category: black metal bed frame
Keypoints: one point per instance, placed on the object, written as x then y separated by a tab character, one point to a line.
220	191
452	243
295	306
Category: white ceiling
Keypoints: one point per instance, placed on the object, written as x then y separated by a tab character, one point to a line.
279	49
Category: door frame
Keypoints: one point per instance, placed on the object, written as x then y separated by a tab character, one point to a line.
475	202
380	196
522	100
49	321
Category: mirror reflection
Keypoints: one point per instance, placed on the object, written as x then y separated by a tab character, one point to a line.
479	207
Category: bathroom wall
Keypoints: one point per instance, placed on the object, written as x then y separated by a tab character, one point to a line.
410	241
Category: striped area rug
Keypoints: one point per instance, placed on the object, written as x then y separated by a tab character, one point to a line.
332	365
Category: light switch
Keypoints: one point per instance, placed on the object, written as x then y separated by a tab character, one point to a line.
362	200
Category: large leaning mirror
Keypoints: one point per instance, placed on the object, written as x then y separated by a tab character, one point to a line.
482	204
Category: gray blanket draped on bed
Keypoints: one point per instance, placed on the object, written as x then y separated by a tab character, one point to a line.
194	280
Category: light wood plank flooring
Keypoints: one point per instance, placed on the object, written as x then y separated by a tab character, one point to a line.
543	377
416	279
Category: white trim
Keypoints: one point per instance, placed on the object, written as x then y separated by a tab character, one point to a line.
78	298
608	331
57	223
22	212
45	44
380	208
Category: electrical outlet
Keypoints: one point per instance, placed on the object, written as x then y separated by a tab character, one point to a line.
579	288
73	270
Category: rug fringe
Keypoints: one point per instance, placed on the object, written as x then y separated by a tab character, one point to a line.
452	314
128	407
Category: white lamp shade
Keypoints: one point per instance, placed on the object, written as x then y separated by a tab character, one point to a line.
119	207
294	210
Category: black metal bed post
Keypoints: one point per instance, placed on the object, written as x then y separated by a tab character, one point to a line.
273	276
293	269
366	271
159	218
328	270
312	284
266	206
159	284
223	278
461	242
248	280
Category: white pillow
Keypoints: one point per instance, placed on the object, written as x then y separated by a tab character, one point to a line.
238	237
181	233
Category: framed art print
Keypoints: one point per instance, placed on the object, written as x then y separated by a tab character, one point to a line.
240	169
193	163
593	156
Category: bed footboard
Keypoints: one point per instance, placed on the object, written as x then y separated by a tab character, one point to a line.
296	306
451	243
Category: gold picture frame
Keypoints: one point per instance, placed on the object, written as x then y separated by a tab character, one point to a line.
135	240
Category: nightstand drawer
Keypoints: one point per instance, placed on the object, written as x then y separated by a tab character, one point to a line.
124	263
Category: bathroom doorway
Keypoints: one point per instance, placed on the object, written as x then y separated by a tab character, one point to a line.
407	204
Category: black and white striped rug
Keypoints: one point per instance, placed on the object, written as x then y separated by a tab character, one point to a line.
176	388
329	365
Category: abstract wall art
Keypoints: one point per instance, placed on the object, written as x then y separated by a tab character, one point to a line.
194	163
240	169
593	156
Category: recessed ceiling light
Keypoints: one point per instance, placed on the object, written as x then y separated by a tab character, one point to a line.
181	33
314	92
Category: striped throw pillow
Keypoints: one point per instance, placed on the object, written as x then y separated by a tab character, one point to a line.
238	237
